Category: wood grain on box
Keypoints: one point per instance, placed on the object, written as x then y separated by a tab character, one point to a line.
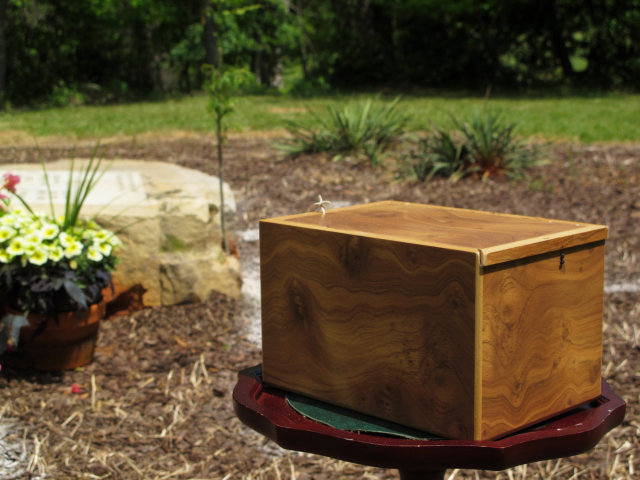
541	338
431	317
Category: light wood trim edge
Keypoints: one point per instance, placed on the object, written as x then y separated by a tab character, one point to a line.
378	236
291	218
543	244
477	392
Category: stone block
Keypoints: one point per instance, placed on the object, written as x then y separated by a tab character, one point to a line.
168	218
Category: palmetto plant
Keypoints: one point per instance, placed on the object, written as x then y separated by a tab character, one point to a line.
486	146
357	127
493	147
441	154
360	129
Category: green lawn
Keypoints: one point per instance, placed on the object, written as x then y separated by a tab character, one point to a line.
606	118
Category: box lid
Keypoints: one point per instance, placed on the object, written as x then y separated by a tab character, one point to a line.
497	237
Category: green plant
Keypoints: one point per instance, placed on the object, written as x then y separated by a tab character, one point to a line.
185	57
304	87
221	85
49	263
493	147
307	140
484	147
75	196
488	139
361	129
46	269
440	154
541	185
63	95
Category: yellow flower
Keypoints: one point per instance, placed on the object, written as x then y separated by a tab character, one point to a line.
33	237
73	249
49	231
94	254
30	247
73	264
38	257
16	247
7	220
66	239
56	253
11	221
6	233
4	258
105	248
114	241
101	235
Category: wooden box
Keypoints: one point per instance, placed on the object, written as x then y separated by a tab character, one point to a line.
466	324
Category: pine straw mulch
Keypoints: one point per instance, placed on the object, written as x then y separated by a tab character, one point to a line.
155	403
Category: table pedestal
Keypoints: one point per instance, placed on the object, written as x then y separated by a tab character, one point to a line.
266	410
434	475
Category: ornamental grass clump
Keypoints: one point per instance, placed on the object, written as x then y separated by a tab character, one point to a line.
485	147
362	129
51	263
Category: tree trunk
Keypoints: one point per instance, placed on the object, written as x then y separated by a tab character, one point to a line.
223	228
3	50
256	65
304	56
275	79
559	47
142	74
210	39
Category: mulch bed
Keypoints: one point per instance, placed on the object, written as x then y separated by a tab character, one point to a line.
156	402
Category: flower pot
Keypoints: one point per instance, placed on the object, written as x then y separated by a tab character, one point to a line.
64	344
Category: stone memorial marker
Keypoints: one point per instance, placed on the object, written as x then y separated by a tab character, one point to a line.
116	187
167	217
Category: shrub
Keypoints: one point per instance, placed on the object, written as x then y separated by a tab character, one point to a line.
63	95
485	147
309	87
493	147
361	129
440	154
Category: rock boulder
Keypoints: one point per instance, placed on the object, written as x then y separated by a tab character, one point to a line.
168	219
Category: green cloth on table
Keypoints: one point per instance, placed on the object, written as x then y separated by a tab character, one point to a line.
344	419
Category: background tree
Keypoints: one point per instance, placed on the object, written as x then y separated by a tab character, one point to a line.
476	43
3	49
209	34
104	50
221	84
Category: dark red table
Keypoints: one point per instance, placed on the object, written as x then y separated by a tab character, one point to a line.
265	410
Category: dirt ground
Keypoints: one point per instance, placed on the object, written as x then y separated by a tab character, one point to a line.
156	402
